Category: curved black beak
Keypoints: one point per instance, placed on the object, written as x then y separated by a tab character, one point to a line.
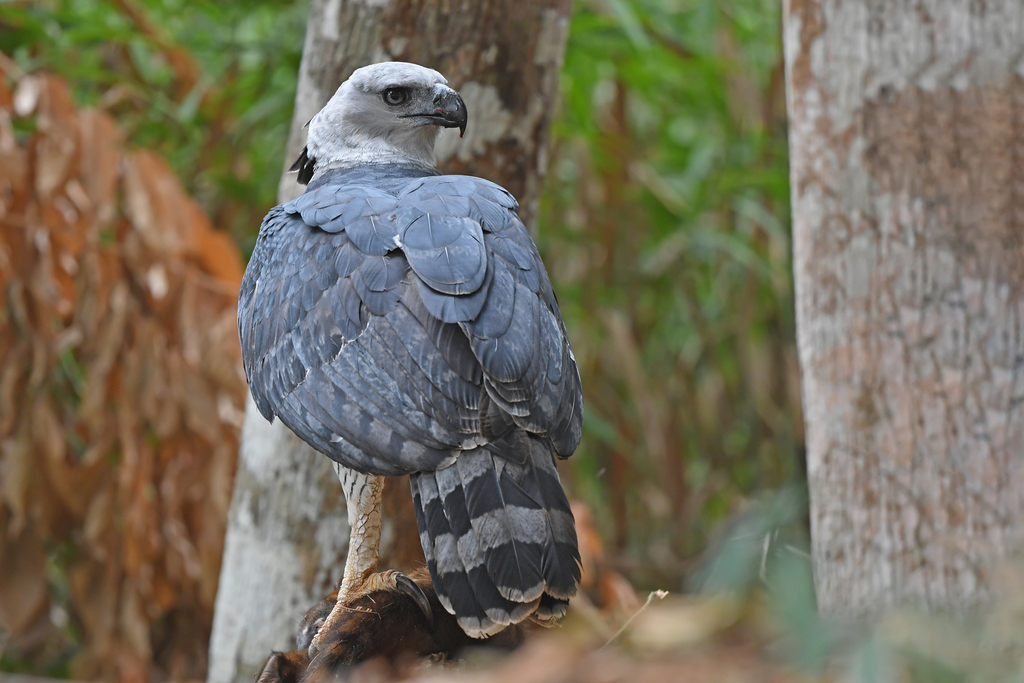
446	109
453	109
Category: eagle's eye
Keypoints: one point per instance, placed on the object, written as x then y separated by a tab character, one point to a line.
395	96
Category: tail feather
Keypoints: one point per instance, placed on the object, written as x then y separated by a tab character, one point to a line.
505	524
471	554
499	538
549	611
561	559
449	578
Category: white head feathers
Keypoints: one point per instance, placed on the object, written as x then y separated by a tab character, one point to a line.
384	113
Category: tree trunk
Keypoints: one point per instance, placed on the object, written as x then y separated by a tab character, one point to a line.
906	143
287	531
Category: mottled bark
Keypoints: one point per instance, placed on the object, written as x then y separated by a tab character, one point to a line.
287	530
906	142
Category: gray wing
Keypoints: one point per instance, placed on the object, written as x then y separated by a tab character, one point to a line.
511	317
385	331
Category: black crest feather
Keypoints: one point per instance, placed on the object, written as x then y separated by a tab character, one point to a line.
304	165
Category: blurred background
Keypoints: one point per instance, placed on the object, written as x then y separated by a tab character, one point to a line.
664	225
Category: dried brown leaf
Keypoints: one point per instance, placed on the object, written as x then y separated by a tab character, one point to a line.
12	378
217	253
120	384
23	593
109	347
57	147
98	521
94	592
70	482
154	200
16	468
13	167
101	154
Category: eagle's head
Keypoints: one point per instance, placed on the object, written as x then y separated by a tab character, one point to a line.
384	113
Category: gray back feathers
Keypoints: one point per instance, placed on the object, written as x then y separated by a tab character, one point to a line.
393	319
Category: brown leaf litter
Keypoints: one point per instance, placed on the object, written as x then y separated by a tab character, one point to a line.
121	395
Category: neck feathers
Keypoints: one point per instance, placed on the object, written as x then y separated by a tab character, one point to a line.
344	145
357	150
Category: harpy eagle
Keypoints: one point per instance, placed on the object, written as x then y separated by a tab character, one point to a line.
401	321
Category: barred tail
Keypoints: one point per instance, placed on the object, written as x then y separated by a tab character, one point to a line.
499	538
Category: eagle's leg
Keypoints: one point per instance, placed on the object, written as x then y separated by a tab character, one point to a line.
363	496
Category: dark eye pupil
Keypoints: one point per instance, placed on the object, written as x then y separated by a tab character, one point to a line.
394	96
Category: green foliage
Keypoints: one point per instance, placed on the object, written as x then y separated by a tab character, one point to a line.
665	229
209	84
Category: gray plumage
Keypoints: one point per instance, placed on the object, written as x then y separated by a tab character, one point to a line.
402	322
